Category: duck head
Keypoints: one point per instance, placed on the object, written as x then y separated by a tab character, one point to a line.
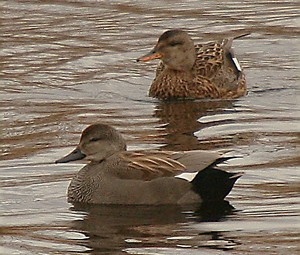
176	50
97	142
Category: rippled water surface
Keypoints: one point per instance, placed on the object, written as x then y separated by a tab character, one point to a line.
67	64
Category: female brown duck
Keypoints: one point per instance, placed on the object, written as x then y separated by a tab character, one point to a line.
202	71
117	176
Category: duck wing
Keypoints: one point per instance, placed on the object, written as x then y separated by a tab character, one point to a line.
210	58
213	56
148	165
196	160
153	164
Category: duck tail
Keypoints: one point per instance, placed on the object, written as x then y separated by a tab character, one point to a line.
227	43
221	160
213	184
241	35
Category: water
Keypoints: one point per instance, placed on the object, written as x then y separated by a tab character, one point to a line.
67	64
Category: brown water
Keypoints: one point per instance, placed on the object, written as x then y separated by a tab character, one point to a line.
67	64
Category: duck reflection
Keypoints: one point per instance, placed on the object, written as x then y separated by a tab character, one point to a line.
114	228
181	120
213	211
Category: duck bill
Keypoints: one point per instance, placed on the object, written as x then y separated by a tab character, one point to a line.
74	155
149	56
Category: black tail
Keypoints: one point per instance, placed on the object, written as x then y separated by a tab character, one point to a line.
221	160
241	35
213	184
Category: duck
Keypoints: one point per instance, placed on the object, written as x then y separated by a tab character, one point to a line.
201	71
117	176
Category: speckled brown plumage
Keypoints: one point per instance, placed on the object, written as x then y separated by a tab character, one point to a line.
214	72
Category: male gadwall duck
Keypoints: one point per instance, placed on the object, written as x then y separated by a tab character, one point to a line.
195	71
117	176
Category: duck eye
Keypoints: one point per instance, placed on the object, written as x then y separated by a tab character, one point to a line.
94	139
174	43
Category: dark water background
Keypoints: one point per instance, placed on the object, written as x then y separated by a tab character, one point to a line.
67	64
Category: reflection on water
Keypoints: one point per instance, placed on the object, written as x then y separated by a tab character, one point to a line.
181	121
67	64
115	228
112	228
